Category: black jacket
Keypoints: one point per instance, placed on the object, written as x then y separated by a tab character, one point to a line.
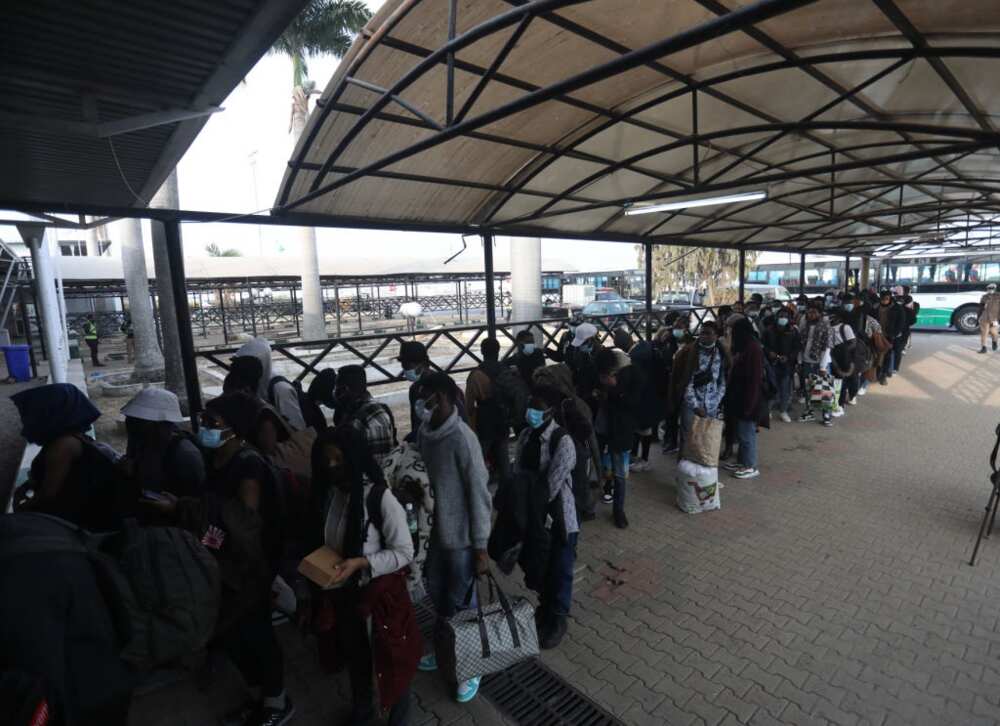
894	325
622	409
785	342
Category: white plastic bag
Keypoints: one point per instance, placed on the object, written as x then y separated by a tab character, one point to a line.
697	487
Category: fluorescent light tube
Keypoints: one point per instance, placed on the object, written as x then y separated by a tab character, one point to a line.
703	202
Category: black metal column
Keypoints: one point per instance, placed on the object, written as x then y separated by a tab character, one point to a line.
743	271
222	314
847	272
802	273
175	259
22	300
491	307
253	311
295	311
649	290
357	304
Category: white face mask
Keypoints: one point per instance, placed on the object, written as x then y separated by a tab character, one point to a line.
424	413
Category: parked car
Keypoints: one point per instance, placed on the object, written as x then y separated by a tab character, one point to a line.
679	300
607	312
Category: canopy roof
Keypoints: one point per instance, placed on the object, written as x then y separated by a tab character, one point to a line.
100	100
865	121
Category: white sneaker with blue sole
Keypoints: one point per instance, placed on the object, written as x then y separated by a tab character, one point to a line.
428	663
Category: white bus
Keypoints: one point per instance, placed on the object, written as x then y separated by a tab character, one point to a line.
948	287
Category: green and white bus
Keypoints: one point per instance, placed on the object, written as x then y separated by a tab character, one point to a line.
948	287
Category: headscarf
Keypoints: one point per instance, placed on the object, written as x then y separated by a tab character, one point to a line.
359	465
50	411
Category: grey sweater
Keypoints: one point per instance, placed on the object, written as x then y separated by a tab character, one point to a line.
459	479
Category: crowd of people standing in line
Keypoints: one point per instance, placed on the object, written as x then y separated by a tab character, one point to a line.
269	476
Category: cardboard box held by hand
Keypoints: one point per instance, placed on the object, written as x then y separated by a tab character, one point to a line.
320	567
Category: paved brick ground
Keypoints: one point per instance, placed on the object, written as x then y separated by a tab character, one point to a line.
832	590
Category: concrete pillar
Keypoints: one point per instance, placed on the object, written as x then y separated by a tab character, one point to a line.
525	278
313	324
167	198
148	360
53	325
866	263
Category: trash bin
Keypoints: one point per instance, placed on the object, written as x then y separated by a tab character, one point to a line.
18	362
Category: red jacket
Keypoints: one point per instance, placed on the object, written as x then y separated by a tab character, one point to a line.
396	642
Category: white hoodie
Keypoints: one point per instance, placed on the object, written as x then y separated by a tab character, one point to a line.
286	399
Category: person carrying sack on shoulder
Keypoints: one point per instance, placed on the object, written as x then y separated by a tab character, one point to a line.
546	451
366	619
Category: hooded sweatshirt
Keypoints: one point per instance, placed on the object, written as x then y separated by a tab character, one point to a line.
459	478
286	399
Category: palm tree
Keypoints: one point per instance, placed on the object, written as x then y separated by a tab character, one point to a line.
324	26
213	250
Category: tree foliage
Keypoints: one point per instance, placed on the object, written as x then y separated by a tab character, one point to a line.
323	27
685	268
214	250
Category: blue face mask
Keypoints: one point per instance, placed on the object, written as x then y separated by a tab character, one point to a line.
411	375
848	307
678	333
528	348
209	438
424	413
534	417
586	347
782	322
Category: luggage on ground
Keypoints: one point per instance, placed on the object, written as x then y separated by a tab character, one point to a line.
697	487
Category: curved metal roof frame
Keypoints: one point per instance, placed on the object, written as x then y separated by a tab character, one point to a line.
864	123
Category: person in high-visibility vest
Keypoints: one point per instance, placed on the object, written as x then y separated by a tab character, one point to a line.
90	336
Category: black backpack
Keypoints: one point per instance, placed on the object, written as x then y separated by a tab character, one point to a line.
161	586
844	352
312	414
493	414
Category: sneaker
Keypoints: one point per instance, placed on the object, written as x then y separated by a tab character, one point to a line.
670	448
863	391
607	497
732	466
268	716
467	690
428	663
802	399
746	473
828	422
621	521
785	417
639	465
807	417
853	401
241	715
837	412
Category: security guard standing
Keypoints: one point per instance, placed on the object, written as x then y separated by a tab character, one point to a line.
90	336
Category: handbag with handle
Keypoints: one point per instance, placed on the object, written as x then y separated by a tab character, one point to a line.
480	641
701	446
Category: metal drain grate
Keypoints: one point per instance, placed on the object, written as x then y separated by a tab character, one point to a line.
529	693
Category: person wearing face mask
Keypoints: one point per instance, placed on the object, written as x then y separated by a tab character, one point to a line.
706	386
744	403
488	409
374	625
547	453
529	357
159	455
462	508
816	362
415	362
782	343
356	407
239	520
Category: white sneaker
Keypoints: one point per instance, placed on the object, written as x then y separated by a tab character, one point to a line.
639	465
802	399
746	473
862	391
785	417
853	402
838	412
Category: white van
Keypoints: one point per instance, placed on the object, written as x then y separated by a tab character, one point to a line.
769	292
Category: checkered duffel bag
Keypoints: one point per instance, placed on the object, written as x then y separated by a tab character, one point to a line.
480	641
